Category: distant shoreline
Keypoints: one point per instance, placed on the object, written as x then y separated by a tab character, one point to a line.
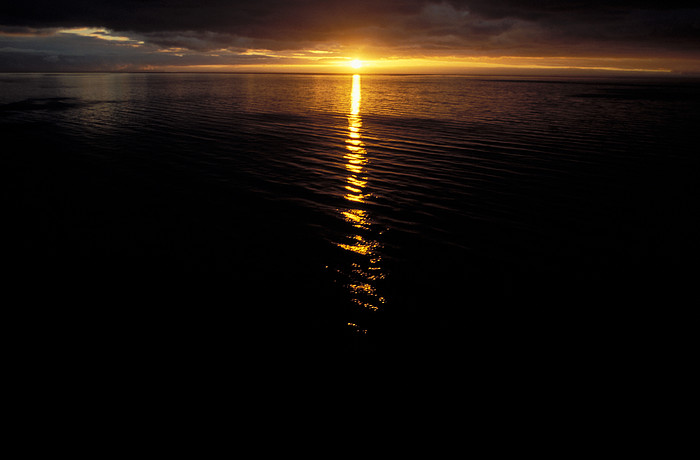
611	74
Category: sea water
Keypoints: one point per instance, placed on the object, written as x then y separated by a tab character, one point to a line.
383	209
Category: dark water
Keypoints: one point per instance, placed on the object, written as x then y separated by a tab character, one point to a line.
315	212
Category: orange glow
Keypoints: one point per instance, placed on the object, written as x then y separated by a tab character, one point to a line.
502	65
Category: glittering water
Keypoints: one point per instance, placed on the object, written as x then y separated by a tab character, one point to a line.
390	203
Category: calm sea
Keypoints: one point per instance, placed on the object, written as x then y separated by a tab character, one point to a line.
361	212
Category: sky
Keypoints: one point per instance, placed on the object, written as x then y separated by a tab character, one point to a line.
385	36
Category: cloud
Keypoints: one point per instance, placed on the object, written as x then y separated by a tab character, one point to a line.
398	28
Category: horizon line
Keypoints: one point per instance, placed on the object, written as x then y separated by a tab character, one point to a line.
598	73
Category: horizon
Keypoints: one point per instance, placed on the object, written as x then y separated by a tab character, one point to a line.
533	75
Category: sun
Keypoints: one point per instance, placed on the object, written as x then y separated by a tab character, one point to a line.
355	63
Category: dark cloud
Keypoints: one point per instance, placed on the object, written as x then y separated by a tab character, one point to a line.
669	24
259	18
402	27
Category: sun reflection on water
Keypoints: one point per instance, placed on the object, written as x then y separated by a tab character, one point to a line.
366	270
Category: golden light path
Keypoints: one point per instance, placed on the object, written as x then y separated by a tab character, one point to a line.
365	270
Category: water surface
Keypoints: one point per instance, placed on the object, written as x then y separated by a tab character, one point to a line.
361	211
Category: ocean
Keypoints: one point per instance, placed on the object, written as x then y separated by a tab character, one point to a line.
254	212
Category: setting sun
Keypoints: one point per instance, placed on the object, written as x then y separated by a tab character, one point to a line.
355	63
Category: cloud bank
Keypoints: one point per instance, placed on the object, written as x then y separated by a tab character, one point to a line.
35	35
